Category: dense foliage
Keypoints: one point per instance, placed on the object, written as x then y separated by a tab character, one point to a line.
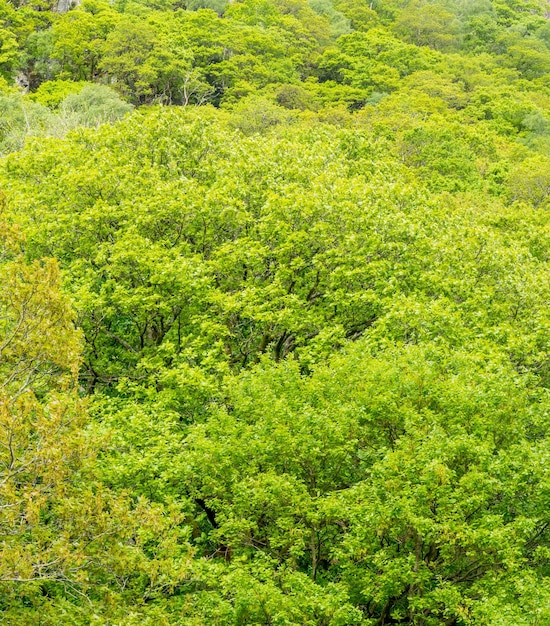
274	313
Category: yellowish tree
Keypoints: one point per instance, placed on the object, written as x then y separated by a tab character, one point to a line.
64	536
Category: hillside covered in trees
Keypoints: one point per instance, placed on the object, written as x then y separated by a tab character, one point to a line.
275	313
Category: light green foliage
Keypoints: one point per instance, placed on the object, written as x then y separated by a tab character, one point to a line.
530	180
78	40
361	16
75	105
416	432
441	156
36	58
428	24
372	61
51	93
339	23
253	115
93	105
274	345
8	52
61	528
141	64
19	119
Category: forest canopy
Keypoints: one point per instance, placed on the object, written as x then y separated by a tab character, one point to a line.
274	312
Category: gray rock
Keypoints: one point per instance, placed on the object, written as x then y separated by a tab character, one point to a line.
66	5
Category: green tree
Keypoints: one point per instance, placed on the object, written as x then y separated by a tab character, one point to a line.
78	40
64	534
427	24
529	181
